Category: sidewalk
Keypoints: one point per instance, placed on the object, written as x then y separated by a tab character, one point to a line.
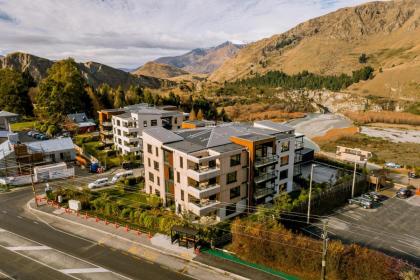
157	249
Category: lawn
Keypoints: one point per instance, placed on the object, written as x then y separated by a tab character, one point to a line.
383	150
21	126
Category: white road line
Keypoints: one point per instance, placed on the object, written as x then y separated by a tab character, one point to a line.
28	248
64	253
414	256
83	270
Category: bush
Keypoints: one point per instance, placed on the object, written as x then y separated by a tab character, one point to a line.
130	181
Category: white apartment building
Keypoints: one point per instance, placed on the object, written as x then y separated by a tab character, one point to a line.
128	127
218	171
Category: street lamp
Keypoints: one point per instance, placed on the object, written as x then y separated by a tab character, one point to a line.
310	191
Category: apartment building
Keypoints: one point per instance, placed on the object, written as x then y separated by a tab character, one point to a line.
105	125
218	171
127	127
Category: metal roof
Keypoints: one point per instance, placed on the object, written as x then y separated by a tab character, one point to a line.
162	134
79	118
7	114
281	127
53	145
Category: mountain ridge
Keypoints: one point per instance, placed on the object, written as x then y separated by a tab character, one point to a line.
94	73
159	70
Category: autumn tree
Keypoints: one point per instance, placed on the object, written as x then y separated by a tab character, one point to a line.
14	88
119	99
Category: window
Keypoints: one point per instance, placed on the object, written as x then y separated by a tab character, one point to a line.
151	177
149	148
148	162
235	160
157	151
171	174
153	122
118	123
181	162
235	192
231	177
178	177
285	146
230	209
283	174
158	180
175	121
157	192
284	160
156	165
119	131
182	195
144	123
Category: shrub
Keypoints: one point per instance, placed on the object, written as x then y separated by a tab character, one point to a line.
130	181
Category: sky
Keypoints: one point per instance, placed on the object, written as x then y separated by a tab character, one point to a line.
128	33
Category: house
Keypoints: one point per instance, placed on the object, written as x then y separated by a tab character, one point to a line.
218	171
6	118
105	125
80	123
352	154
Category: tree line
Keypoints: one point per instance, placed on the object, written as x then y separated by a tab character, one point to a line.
306	80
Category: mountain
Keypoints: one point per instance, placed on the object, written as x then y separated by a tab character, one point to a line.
163	71
388	32
202	61
94	73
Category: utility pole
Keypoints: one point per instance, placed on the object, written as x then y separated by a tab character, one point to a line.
324	249
32	181
310	193
354	180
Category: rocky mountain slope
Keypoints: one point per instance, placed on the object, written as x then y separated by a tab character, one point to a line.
203	61
94	73
163	71
388	32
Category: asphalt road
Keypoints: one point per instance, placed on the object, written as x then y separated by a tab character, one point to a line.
14	219
392	227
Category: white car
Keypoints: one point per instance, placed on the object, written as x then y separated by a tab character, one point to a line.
121	175
392	165
98	183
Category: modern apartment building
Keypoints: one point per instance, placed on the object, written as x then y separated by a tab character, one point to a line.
218	171
127	127
105	125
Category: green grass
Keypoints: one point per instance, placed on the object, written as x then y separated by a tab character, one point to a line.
21	126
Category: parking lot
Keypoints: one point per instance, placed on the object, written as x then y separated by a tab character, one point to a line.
392	227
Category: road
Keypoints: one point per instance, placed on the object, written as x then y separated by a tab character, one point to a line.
30	249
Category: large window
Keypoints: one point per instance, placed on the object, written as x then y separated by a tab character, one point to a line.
153	122
235	192
182	195
156	165
149	148
284	160
144	123
285	146
235	160
283	174
181	162
231	177
151	177
157	151
178	177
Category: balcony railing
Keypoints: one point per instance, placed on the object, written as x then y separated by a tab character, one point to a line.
203	207
298	145
260	193
298	158
267	160
204	191
203	173
106	123
265	177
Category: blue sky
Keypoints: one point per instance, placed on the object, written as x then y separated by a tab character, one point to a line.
128	33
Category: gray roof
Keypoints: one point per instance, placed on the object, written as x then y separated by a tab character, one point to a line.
281	127
185	146
53	145
227	148
79	118
7	114
162	134
126	115
255	137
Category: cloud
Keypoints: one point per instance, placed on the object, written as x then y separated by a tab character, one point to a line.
128	33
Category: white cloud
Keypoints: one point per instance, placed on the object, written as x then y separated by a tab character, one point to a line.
127	33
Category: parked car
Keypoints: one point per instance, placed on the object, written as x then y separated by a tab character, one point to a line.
403	193
376	196
365	203
412	174
31	133
98	183
121	175
392	165
367	197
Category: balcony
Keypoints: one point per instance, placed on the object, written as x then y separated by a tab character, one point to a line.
107	124
260	193
204	207
265	161
298	158
108	141
265	177
203	191
203	173
107	132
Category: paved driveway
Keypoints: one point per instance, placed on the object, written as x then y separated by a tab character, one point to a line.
392	227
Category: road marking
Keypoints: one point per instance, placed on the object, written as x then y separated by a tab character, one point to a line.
414	256
83	270
28	248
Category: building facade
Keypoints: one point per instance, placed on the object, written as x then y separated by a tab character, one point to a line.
218	171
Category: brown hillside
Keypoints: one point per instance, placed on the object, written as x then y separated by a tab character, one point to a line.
387	32
158	70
